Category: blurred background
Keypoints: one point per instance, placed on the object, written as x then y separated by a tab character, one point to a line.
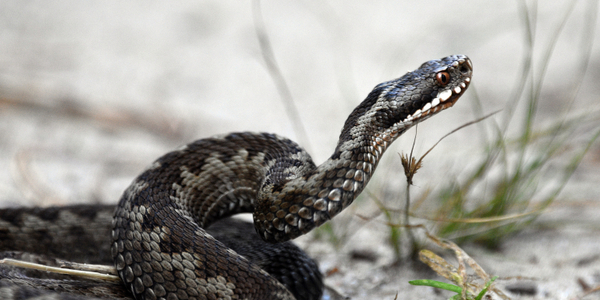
92	92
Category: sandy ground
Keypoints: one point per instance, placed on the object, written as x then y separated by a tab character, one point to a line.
92	92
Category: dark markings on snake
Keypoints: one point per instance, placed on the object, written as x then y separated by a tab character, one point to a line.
162	243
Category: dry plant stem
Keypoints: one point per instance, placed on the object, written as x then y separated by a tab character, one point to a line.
458	276
439	265
411	236
30	184
413	170
411	166
95	272
587	42
276	75
159	124
586	293
455	130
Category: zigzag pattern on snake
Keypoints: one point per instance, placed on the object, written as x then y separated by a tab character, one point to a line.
159	241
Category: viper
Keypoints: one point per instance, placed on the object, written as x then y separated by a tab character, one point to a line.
159	238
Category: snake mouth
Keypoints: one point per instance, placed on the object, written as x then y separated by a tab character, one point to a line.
444	99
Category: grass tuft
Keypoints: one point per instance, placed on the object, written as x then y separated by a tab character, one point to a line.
524	187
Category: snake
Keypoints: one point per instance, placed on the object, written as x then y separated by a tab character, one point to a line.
160	240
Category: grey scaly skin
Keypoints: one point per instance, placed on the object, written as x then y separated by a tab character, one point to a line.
159	243
81	233
160	247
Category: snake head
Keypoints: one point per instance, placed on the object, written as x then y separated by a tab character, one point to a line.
433	87
394	106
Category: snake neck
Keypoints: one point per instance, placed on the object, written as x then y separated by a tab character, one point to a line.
294	206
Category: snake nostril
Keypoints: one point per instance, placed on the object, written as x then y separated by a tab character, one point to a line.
464	69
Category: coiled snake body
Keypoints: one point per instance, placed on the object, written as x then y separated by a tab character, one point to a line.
159	243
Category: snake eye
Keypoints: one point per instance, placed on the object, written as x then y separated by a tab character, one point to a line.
442	78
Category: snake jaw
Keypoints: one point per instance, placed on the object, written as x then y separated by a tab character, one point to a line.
461	70
444	100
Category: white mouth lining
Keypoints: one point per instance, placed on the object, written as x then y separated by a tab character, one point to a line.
439	102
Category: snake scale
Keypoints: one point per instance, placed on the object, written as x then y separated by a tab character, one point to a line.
159	240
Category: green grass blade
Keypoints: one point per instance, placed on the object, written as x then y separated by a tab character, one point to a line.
437	284
485	289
